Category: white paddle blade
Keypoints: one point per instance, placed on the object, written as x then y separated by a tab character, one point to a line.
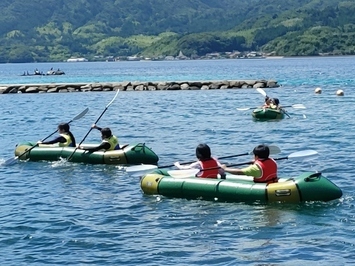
273	150
113	99
261	91
139	170
303	155
81	114
11	161
183	173
244	109
298	106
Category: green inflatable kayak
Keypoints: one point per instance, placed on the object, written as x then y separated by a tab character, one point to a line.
267	114
129	154
305	187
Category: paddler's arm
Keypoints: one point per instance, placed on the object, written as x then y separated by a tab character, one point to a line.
103	146
59	139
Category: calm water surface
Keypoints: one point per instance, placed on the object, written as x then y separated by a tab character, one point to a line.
74	214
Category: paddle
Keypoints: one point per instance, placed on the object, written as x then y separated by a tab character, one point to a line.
71	155
144	168
262	92
297	156
296	106
13	160
284	111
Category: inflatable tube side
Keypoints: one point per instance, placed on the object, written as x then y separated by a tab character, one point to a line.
82	156
45	153
21	148
115	157
171	187
212	189
134	154
150	182
205	188
140	153
306	187
267	114
315	187
241	191
283	192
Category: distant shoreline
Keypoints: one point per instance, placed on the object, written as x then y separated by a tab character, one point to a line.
202	59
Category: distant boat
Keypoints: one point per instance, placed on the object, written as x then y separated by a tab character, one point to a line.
49	73
274	57
77	59
133	58
55	72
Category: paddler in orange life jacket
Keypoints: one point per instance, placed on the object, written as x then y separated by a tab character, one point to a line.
209	167
109	141
264	169
65	138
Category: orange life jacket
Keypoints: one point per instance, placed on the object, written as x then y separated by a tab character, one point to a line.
268	171
209	173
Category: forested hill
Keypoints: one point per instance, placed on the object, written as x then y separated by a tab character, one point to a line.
54	30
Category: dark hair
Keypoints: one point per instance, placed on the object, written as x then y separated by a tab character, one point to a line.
267	98
276	101
106	132
203	152
66	128
262	151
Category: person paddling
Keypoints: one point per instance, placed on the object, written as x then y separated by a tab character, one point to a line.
275	104
264	169
209	167
268	102
65	138
109	141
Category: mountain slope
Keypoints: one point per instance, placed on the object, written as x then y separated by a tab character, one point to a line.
57	29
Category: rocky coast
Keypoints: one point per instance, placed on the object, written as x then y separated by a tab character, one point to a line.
136	86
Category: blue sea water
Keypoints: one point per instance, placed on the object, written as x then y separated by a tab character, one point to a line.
74	214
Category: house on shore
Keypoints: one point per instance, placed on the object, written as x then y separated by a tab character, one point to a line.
77	59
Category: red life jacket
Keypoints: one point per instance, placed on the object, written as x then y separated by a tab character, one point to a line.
211	173
268	171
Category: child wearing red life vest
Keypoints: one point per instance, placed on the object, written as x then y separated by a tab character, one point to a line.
264	169
209	167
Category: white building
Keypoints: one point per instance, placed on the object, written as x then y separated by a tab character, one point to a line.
80	59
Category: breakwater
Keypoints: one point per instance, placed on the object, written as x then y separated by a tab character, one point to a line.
136	86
